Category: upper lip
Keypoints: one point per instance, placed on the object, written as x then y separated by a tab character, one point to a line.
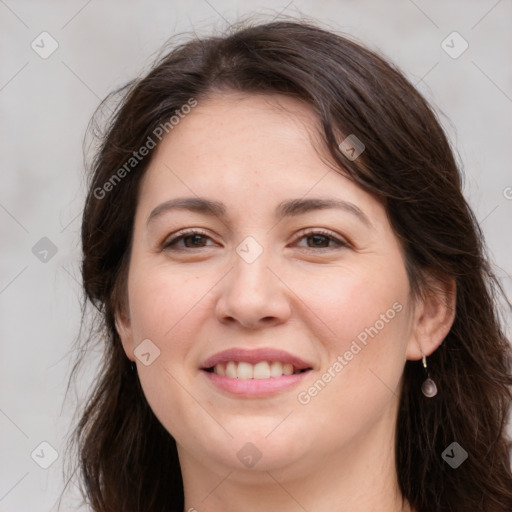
254	356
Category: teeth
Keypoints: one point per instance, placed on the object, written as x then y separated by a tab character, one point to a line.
261	370
276	369
230	370
288	369
245	371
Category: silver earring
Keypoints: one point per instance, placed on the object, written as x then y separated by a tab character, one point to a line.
428	388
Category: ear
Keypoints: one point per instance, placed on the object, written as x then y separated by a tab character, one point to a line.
433	317
124	329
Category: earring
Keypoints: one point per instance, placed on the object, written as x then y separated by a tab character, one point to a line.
133	366
428	388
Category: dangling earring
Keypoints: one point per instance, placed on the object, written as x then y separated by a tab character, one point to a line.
428	388
133	366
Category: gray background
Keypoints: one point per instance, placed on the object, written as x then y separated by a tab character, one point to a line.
45	105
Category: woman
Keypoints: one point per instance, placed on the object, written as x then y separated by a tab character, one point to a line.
297	307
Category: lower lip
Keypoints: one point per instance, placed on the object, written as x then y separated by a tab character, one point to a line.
255	387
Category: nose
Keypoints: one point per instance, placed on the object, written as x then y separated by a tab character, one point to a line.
253	295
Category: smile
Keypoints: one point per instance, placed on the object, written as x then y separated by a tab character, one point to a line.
261	370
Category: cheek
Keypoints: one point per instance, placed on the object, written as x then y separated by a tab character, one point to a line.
368	311
162	301
165	308
358	302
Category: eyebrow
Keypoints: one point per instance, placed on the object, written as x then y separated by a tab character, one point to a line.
290	208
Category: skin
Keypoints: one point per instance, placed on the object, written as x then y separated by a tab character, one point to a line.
303	294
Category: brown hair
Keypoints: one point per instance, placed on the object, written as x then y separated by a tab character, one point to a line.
127	460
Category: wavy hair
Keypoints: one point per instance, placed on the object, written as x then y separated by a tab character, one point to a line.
127	460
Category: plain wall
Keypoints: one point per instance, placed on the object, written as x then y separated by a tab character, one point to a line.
45	106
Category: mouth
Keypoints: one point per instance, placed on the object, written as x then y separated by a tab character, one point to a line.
255	364
261	370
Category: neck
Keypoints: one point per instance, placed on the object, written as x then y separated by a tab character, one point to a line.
361	477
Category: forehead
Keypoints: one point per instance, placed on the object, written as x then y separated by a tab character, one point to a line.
224	107
256	150
270	137
240	125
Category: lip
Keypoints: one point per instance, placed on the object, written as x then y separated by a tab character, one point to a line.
254	356
254	388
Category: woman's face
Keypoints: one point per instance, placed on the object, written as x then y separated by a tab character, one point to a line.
269	269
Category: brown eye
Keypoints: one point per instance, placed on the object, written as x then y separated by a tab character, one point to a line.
321	240
191	240
195	240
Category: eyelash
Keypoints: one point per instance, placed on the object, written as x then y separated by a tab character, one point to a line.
169	243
